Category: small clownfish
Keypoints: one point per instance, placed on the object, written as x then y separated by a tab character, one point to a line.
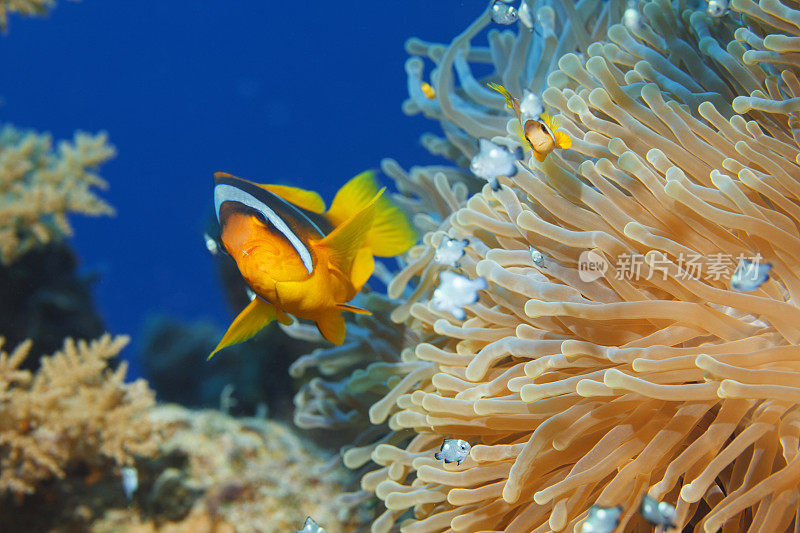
541	136
299	259
428	90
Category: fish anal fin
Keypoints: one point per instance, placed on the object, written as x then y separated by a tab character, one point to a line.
255	316
353	309
308	200
332	327
344	242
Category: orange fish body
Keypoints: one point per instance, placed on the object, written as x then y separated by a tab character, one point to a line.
300	260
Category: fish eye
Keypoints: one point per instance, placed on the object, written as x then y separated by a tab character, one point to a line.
541	126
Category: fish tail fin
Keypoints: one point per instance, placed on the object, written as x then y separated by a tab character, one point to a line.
255	316
439	456
391	232
511	102
332	327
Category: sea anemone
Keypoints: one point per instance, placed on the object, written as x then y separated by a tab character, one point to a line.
648	374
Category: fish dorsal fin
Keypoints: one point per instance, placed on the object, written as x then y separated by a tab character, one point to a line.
344	242
391	233
255	316
308	200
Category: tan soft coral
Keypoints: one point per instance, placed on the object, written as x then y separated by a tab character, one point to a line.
73	410
40	186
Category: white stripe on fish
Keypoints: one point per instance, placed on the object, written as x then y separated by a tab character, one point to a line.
228	193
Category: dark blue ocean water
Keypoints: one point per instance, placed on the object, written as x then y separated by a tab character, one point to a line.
306	93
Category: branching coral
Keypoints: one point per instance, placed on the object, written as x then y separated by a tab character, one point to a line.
661	381
73	410
23	7
39	186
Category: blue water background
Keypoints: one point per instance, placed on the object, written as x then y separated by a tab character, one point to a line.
306	93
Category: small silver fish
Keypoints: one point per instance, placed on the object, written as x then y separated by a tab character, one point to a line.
453	451
531	106
493	160
536	256
631	18
211	244
503	13
455	291
657	513
601	519
450	251
130	480
311	527
717	8
750	275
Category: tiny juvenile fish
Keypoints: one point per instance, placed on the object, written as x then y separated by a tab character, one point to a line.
450	251
428	90
531	105
130	480
453	451
455	291
750	275
536	256
657	513
540	136
311	527
601	519
492	161
503	13
717	8
300	259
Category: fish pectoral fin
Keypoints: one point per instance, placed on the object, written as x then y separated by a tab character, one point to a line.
353	309
332	327
255	316
361	270
300	197
345	241
562	139
539	156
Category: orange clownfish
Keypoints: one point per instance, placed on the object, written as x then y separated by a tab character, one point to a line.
299	259
541	136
